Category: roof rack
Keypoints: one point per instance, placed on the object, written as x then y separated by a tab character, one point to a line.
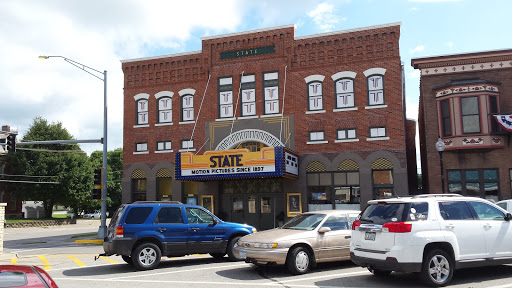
436	195
157	202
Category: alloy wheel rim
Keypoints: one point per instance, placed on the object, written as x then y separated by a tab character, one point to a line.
302	261
147	256
439	269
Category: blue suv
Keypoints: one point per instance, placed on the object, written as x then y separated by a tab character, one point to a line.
142	232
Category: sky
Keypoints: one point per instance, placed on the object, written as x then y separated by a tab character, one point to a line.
101	33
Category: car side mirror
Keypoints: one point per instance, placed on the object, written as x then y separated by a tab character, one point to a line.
508	217
324	230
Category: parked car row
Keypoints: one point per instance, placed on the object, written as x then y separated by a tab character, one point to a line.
432	235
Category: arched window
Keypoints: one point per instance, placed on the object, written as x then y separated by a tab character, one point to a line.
164	99
141	101
382	178
315	92
187	105
164	184
139	186
344	86
225	87
375	81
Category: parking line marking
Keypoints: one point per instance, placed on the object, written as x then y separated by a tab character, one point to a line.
14	261
325	276
45	262
78	262
180	271
199	255
109	260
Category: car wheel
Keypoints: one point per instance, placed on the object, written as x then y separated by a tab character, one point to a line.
127	259
437	268
146	256
231	246
378	272
217	255
298	260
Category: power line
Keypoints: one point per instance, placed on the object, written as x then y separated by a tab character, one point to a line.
29	182
12	175
56	151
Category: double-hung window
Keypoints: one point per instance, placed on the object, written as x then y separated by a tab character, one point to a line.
315	96
141	100
271	90
470	115
375	90
344	93
446	124
248	95
225	97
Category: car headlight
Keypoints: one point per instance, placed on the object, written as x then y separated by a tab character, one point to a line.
265	245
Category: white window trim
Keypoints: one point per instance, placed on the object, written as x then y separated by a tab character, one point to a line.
345	109
271	115
187	150
187	122
225	119
346	140
164	124
164	151
317	142
315	111
141	96
313	78
343	74
141	126
376	106
248	117
377	139
187	91
372	71
164	94
141	152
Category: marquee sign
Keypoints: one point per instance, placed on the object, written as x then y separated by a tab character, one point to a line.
248	52
237	163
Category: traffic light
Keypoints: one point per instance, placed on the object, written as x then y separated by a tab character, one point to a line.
98	176
11	143
96	194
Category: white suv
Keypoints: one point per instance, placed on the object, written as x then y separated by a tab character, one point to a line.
433	234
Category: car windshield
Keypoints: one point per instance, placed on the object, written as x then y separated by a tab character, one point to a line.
382	213
304	222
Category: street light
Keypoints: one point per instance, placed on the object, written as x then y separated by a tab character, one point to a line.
440	148
102	231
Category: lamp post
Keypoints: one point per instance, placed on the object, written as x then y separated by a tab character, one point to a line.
102	231
440	148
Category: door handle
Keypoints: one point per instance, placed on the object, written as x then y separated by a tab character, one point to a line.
450	226
194	229
348	237
161	229
487	225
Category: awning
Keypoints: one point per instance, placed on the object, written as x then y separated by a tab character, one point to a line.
237	164
505	121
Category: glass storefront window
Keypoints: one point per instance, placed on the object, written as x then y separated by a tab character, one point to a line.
491	191
455	188
382	177
340	178
325	179
473	189
454	176
164	188
482	183
490	174
471	174
266	205
353	178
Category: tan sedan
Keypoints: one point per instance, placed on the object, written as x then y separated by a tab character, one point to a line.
307	239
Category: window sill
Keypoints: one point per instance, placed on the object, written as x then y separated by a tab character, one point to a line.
140	152
164	124
271	115
188	150
163	151
317	142
248	117
376	107
188	122
315	112
345	109
377	139
346	140
225	119
140	126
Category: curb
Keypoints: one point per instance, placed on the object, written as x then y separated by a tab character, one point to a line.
89	241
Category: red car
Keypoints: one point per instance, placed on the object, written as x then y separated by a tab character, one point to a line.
25	276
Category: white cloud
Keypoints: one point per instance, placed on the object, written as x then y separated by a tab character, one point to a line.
323	16
433	1
450	44
419	48
415	74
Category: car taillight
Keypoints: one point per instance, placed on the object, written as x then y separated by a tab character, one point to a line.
119	231
397	227
356	224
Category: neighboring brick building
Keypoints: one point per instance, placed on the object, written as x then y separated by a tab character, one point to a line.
14	205
344	117
459	94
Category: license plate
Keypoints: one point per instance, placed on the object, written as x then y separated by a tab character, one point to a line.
242	254
369	236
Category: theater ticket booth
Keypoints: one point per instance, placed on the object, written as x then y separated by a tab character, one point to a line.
249	184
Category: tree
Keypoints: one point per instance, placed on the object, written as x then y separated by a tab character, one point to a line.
114	175
65	164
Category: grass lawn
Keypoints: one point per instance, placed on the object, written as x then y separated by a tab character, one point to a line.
55	215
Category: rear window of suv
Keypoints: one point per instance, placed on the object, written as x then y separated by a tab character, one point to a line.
137	215
394	212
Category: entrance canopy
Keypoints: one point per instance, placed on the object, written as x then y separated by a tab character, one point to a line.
236	164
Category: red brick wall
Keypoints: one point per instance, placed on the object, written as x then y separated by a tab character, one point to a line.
323	54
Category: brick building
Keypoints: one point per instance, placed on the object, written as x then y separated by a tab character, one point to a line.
459	97
333	103
13	208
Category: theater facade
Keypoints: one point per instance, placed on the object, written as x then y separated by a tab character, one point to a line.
259	126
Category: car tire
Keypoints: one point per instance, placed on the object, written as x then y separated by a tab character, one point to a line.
298	260
146	256
127	259
217	255
437	268
231	246
378	272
